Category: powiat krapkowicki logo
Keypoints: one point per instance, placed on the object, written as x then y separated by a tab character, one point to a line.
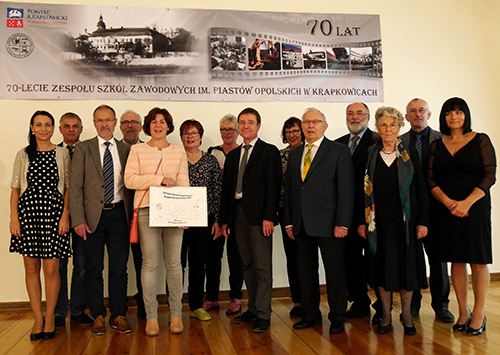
15	17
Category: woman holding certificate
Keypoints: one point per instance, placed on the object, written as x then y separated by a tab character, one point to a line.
158	163
204	170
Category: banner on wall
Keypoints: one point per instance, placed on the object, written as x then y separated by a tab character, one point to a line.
50	51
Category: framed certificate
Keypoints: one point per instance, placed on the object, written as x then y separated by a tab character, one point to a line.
178	206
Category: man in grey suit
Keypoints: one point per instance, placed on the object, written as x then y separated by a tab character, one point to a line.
420	136
319	202
100	205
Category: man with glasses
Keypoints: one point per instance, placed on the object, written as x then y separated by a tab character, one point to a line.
100	206
358	140
319	202
131	127
249	202
420	137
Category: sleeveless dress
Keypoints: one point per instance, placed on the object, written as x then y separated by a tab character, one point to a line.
467	239
40	208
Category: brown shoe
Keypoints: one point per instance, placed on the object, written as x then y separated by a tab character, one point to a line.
99	326
120	323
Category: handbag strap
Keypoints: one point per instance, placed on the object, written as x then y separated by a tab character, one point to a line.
156	172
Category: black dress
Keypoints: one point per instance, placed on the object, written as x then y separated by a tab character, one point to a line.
40	208
397	264
467	239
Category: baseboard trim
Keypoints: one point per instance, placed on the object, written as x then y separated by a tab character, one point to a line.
162	299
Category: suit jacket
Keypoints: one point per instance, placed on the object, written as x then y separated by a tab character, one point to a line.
261	184
325	198
433	135
359	157
86	189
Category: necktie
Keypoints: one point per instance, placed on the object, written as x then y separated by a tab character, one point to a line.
108	173
418	145
354	144
307	161
70	150
241	172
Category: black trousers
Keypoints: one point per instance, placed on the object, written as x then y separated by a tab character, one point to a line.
290	247
357	290
439	282
112	232
333	255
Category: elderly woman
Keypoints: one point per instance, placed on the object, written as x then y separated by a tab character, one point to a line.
462	168
228	126
158	163
39	217
292	134
204	170
396	209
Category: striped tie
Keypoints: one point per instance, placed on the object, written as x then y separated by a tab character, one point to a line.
70	150
418	145
307	161
108	173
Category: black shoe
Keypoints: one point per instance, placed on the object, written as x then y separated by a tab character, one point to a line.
38	336
83	319
337	327
410	330
307	323
479	331
463	327
49	335
245	317
296	312
384	329
60	322
261	325
444	315
377	318
357	311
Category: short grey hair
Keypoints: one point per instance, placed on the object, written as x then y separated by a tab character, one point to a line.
229	118
417	99
135	113
391	112
313	109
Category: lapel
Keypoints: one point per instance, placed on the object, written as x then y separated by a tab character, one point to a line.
320	154
255	152
94	152
363	142
121	152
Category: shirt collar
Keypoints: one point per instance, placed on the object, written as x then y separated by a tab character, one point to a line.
316	143
102	141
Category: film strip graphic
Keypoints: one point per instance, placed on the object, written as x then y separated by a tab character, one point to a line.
239	54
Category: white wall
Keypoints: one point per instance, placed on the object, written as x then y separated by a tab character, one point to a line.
431	49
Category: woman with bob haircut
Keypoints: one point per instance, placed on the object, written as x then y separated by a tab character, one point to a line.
158	163
462	168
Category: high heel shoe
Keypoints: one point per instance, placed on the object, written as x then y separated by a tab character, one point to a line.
410	330
37	336
176	326
463	327
384	329
479	331
49	335
152	327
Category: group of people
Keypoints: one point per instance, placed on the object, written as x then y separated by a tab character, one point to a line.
424	186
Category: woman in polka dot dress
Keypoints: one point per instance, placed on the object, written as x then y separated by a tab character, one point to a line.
39	219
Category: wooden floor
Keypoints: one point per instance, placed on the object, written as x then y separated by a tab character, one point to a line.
222	336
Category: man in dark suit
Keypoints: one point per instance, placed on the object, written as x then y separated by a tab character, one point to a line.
319	202
249	202
358	141
420	136
100	205
70	126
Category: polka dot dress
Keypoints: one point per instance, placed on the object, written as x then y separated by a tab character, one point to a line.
40	209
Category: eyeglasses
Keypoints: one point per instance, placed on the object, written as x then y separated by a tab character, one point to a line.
359	113
292	132
133	123
227	130
314	122
107	121
190	134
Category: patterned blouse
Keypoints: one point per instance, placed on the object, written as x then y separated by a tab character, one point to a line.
207	172
284	153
